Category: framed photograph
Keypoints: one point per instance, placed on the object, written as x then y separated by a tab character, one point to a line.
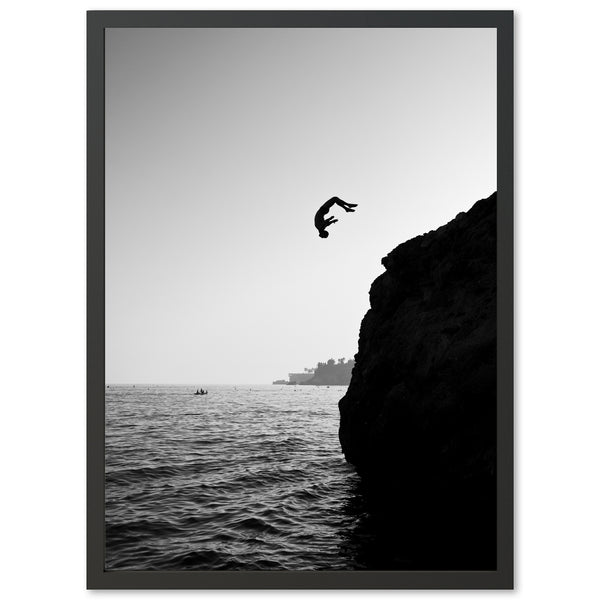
300	299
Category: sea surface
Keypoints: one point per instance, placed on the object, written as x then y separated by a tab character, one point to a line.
247	477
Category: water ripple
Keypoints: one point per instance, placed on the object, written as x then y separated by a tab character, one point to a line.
239	479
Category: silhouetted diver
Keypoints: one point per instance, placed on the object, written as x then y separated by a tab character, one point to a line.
321	223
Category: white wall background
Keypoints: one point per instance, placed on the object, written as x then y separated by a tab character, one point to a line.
42	328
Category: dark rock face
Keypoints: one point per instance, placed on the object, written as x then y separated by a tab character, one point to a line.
419	416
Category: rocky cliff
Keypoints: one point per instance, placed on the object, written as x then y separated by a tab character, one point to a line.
420	412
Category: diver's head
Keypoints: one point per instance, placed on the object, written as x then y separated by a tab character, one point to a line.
323	233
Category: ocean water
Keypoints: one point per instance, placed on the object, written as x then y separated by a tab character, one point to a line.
247	477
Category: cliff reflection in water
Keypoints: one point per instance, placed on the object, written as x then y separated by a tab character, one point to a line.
389	531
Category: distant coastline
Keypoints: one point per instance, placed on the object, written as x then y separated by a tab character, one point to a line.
325	373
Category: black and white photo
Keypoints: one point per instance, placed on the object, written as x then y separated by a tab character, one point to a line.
305	246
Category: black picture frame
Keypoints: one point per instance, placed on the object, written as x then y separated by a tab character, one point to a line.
97	577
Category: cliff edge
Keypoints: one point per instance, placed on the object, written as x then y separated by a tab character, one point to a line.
421	405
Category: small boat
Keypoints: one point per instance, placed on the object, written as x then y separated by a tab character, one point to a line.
200	392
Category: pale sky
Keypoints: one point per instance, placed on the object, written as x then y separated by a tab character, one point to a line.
220	146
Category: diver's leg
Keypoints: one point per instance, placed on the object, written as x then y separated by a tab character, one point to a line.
345	205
